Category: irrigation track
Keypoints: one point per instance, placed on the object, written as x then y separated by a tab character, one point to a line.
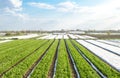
72	63
109	44
103	48
90	63
11	67
52	69
34	65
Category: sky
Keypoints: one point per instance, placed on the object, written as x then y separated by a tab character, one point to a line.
59	14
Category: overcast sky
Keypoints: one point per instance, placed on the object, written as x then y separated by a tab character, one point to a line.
59	14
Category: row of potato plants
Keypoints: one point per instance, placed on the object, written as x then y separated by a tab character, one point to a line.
42	69
105	68
63	68
85	70
11	57
9	54
19	70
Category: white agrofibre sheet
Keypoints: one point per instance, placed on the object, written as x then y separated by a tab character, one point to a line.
66	37
106	46
22	37
116	40
110	42
73	36
45	37
52	36
81	37
109	57
60	36
84	37
89	37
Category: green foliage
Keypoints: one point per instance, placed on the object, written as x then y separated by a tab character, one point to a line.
12	52
12	55
19	70
42	69
85	70
103	67
63	65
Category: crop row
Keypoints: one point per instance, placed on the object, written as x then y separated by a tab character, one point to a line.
85	70
101	65
63	69
21	68
16	55
42	69
39	59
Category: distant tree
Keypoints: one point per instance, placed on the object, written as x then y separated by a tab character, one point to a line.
7	34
